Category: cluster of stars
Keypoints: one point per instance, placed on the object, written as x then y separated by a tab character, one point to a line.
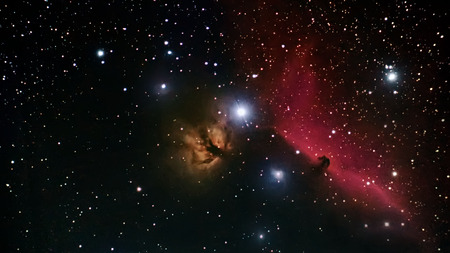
97	99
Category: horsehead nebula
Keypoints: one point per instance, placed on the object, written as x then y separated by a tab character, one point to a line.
225	126
303	77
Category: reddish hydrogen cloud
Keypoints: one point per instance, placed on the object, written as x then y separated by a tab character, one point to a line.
285	58
301	118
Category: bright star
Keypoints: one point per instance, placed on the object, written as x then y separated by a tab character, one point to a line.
392	77
100	53
241	112
278	175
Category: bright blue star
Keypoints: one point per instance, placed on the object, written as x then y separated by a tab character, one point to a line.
392	76
241	112
278	175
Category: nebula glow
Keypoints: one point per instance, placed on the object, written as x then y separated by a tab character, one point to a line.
316	120
356	168
200	133
204	146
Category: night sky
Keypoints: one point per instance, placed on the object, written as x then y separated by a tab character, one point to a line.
224	126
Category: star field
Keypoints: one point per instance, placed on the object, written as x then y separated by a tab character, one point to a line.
224	126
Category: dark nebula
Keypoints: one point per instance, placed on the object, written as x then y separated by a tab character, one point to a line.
224	126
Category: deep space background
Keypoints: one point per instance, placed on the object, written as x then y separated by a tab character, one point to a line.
224	126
